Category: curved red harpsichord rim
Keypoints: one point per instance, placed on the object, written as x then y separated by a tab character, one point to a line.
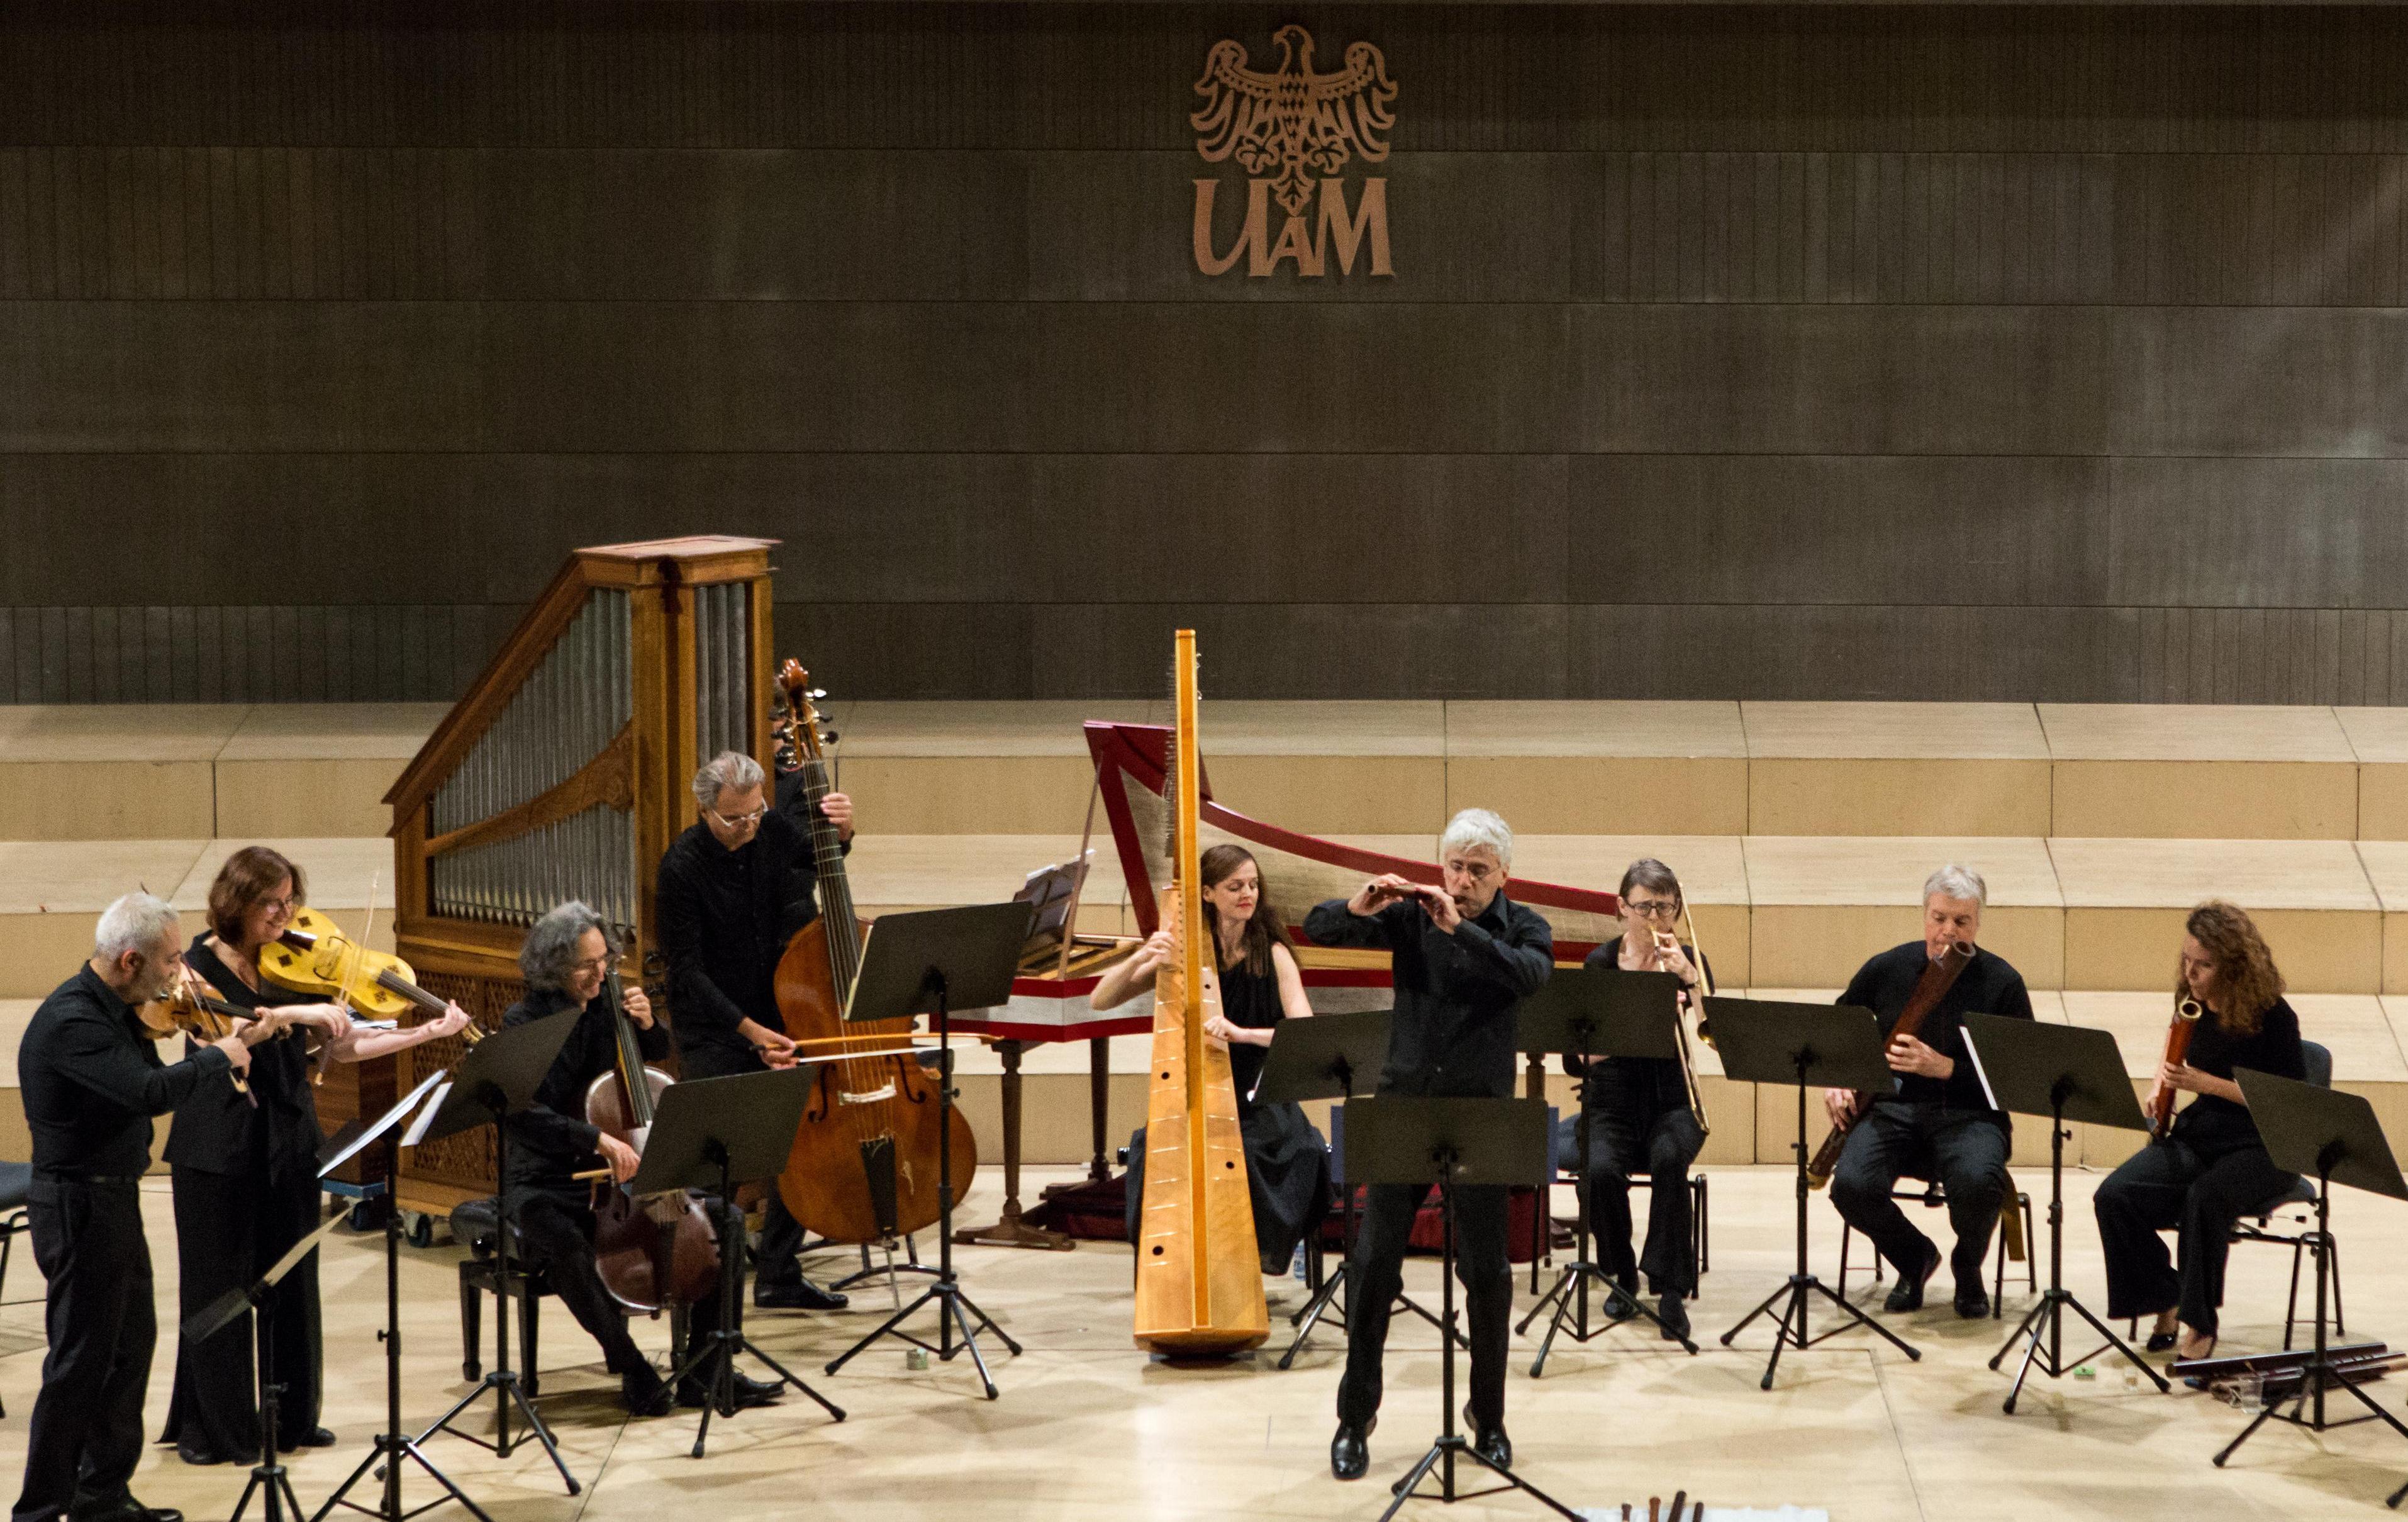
1140	752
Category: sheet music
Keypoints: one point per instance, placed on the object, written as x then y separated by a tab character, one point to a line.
426	1116
385	1122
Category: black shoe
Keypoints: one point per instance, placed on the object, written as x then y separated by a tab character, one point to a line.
694	1394
1490	1442
192	1453
128	1510
2161	1342
1907	1295
644	1393
1972	1302
1621	1307
800	1295
317	1437
1350	1451
1676	1316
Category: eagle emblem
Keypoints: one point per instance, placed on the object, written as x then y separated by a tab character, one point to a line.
1291	126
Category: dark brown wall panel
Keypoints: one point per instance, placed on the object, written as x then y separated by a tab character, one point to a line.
1819	350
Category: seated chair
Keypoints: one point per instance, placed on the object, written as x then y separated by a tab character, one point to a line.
2014	1217
2297	1229
473	1224
16	1184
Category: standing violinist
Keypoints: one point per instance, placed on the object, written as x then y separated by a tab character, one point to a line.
567	960
245	1182
734	888
90	1074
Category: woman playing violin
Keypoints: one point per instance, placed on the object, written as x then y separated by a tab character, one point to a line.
246	1185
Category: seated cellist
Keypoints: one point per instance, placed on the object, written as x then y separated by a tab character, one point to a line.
564	959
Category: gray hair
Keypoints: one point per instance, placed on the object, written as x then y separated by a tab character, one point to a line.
1956	881
548	955
727	771
1478	827
139	922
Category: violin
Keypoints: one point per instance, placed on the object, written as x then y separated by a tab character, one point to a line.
195	1008
313	956
662	1250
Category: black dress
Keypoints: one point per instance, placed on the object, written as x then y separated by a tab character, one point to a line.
1640	1121
246	1190
1287	1162
2211	1171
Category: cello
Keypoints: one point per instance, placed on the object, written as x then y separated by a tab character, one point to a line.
863	1167
1199	1287
663	1249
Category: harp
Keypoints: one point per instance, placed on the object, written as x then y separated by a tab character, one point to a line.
1199	1288
562	774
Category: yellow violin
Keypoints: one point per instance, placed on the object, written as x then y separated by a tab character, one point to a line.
313	956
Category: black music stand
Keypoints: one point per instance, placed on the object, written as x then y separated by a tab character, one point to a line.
1449	1143
1591	1014
712	1134
496	1080
2334	1136
392	1444
1806	1045
930	962
267	1478
1329	1056
2063	1072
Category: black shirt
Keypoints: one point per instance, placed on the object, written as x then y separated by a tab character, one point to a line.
551	1138
91	1080
1988	986
1452	1035
216	1130
1250	1000
1653	1085
726	917
2218	1124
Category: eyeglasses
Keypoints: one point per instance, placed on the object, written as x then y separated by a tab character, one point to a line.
1478	871
280	906
1653	909
751	816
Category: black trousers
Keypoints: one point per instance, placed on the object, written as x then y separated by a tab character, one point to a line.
778	1255
1662	1143
1964	1150
556	1231
230	1229
86	1432
2194	1190
1376	1273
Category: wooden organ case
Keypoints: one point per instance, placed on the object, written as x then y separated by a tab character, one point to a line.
564	773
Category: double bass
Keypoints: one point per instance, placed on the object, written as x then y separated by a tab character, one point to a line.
658	1251
863	1167
1199	1287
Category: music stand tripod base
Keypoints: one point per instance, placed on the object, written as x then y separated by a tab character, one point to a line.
1823	1045
710	1134
928	962
2059	1074
494	1080
2336	1136
1451	1142
392	1445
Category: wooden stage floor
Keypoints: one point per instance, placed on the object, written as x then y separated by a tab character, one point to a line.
1087	1429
